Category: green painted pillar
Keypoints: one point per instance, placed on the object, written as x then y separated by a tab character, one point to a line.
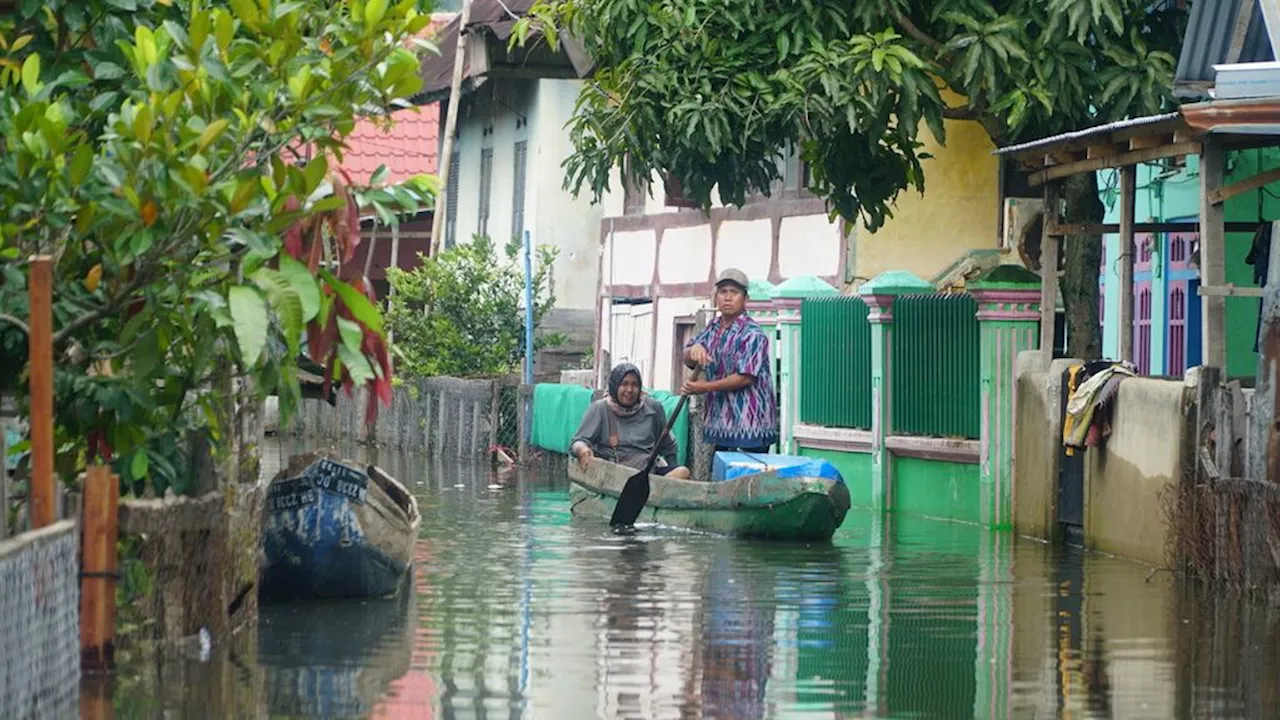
878	293
1008	298
788	296
993	661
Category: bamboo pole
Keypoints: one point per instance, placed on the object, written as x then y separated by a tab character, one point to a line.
450	125
98	568
40	366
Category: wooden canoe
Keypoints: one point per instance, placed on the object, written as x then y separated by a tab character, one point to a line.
333	529
762	505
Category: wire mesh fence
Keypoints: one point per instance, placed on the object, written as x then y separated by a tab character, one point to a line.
39	624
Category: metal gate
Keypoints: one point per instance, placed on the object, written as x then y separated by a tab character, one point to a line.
1070	474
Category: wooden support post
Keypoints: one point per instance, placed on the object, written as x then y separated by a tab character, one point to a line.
450	128
1048	273
1128	192
98	568
1212	254
40	345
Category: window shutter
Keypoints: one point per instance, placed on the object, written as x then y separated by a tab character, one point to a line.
486	186
451	203
520	164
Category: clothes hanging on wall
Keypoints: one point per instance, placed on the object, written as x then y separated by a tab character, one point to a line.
1092	389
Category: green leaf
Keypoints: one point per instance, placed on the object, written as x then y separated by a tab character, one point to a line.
352	335
249	312
140	464
357	364
355	301
211	133
81	164
374	11
304	283
31	74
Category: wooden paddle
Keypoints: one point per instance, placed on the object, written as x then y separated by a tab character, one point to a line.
636	492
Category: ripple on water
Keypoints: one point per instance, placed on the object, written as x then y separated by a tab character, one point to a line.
515	609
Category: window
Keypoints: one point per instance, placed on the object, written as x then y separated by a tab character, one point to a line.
451	203
519	165
486	186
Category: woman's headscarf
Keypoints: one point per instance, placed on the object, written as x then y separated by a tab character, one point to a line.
620	372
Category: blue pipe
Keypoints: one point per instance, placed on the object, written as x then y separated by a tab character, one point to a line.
528	310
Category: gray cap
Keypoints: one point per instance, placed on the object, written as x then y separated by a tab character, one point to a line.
735	276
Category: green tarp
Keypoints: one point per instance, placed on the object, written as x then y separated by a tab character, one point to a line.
558	410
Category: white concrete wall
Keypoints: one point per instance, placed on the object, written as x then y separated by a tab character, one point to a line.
552	215
651	261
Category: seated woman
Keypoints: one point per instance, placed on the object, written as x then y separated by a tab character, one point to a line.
624	426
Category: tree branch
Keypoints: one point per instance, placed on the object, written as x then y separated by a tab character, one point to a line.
912	31
16	323
959	113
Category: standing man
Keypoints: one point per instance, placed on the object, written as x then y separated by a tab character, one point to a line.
741	411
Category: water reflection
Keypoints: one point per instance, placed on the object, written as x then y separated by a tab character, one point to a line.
518	610
334	658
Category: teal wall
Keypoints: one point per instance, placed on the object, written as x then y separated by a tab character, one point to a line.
937	488
1164	195
921	487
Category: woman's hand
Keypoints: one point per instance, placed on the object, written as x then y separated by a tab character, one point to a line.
585	457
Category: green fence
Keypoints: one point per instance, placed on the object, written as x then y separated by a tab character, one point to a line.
835	363
936	383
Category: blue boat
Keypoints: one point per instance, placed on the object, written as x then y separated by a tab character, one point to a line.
332	529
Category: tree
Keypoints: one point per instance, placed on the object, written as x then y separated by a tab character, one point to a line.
711	92
165	152
475	325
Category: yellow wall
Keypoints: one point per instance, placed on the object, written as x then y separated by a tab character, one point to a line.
958	211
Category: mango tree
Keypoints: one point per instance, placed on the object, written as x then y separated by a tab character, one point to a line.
712	91
174	157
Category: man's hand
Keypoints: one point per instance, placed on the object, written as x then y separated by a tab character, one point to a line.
699	356
585	457
694	387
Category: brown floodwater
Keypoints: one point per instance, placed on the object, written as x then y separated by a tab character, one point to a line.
515	609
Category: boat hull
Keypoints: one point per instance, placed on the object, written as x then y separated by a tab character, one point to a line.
350	535
762	506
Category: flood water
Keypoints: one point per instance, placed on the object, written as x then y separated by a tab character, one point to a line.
517	610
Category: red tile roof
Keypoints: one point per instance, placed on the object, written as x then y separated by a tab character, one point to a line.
407	147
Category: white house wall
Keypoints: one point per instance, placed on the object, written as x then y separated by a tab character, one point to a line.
552	215
672	259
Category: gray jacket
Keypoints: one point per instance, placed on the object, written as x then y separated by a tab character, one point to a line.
635	433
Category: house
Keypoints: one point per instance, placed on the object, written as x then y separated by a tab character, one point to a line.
505	176
659	256
1233	37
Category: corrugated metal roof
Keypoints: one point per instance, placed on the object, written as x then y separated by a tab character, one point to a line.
1087	133
1211	27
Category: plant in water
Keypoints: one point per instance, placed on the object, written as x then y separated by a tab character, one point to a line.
165	153
461	313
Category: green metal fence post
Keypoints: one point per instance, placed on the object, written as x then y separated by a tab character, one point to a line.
1009	316
788	296
878	293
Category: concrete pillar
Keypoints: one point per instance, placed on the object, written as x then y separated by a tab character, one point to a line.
1008	299
878	293
787	300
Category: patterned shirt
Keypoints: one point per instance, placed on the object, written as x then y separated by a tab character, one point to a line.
747	417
